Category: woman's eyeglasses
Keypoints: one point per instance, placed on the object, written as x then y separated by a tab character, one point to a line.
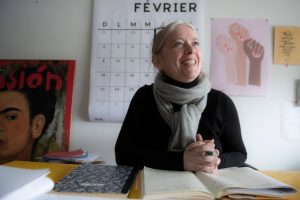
156	30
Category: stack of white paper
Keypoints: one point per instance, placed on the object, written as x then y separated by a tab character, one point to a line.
25	184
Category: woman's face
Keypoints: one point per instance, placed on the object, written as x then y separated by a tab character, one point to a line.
180	56
15	137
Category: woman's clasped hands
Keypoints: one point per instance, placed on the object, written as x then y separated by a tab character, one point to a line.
201	156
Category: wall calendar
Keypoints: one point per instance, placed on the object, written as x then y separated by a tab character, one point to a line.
122	33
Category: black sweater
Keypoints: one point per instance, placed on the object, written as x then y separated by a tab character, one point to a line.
144	136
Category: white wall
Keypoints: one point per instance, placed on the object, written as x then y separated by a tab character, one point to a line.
61	29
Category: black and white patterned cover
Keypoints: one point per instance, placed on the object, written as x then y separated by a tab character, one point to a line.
97	178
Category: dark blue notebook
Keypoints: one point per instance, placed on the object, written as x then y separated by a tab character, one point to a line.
98	179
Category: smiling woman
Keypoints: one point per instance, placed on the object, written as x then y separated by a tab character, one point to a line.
174	123
181	57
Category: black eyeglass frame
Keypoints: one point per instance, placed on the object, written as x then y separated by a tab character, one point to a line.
156	29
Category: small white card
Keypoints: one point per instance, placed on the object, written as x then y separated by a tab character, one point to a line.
290	121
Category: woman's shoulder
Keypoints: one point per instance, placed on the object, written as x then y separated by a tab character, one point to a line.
143	96
219	96
217	93
143	92
145	89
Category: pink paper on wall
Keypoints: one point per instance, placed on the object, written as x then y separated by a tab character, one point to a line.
239	56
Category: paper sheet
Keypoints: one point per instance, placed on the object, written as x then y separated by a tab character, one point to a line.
239	56
121	45
290	121
23	183
287	45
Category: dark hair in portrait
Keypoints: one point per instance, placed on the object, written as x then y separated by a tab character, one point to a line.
42	85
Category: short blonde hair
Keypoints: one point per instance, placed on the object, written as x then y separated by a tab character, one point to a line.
161	37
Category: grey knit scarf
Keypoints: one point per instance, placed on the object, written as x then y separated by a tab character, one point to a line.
183	123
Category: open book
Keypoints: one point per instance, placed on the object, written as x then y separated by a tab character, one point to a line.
231	182
25	184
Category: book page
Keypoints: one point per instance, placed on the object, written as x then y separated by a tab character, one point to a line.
164	183
242	178
23	183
